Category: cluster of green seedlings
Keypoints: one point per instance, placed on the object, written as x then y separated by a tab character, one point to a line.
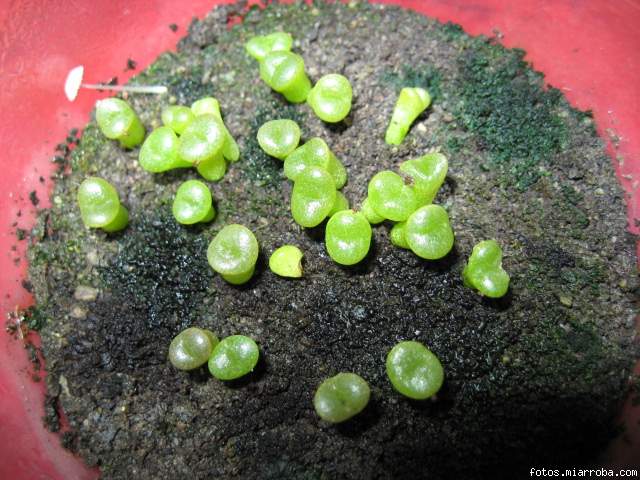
227	359
192	136
197	137
413	370
283	70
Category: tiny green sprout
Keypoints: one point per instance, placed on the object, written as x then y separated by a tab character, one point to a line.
397	235
193	203
211	106
390	197
233	253
484	271
414	370
369	213
100	205
286	261
177	117
428	232
230	149
428	173
330	98
312	197
341	397
262	45
348	237
117	121
234	357
341	203
192	348
411	103
214	168
206	106
284	72
202	140
279	138
159	152
314	153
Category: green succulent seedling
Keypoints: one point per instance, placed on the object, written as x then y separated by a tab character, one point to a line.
484	270
211	106
262	45
428	232
348	237
341	203
100	205
331	97
177	117
202	140
397	235
428	174
390	198
412	101
312	197
369	213
234	357
214	168
279	138
315	153
284	73
341	397
286	261
414	370
193	203
159	152
192	348
206	106
233	253
118	121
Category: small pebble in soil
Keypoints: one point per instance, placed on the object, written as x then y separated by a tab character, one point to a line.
85	293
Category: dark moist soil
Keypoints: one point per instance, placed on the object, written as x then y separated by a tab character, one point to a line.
533	379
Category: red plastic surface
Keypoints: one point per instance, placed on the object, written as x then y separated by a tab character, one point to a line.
588	49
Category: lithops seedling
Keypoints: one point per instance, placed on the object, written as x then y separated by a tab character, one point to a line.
484	270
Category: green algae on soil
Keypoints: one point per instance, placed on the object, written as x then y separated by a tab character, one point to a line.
533	379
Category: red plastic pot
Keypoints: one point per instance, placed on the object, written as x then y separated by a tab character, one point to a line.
588	49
